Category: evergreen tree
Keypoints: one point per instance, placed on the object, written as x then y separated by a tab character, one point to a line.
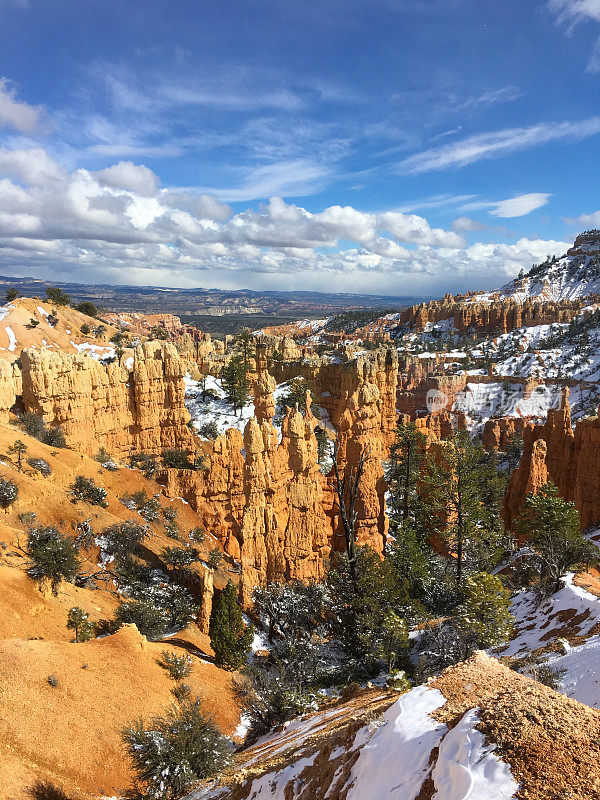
245	340
461	490
485	610
78	621
552	526
406	458
19	448
56	296
11	294
230	637
51	555
236	384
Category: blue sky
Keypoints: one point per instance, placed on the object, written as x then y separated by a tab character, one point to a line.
386	146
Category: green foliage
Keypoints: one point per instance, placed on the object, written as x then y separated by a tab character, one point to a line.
11	294
230	637
463	493
85	489
28	518
148	464
158	332
235	382
173	752
208	430
215	556
9	492
158	610
124	539
36	427
182	692
177	459
552	526
295	395
85	329
56	296
41	465
178	667
87	307
104	457
404	469
197	535
78	621
485	610
368	619
180	558
52	556
33	323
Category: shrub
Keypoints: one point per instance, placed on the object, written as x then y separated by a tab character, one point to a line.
178	667
159	610
85	489
85	329
170	513
173	752
52	556
28	518
158	332
41	465
123	539
87	307
11	294
33	323
215	557
52	680
208	430
230	638
85	534
182	692
172	530
104	457
180	557
176	459
36	427
9	492
52	319
197	535
147	464
79	622
441	646
57	296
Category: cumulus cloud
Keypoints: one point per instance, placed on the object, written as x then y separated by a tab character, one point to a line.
573	12
495	144
520	205
587	220
17	114
127	175
466	225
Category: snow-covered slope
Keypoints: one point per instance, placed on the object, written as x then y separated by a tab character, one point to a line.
575	275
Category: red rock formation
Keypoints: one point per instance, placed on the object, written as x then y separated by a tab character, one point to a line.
497	432
572	462
125	410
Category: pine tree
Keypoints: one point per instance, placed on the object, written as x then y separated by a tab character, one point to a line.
460	488
19	448
230	637
485	610
552	526
78	621
406	458
235	383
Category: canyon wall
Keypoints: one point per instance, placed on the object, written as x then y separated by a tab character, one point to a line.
569	458
135	405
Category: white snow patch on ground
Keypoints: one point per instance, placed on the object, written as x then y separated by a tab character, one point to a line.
4	311
540	624
12	339
581	679
96	351
468	768
276	785
216	410
42	312
393	763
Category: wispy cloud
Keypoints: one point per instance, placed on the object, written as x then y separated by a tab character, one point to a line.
495	144
521	205
17	114
573	12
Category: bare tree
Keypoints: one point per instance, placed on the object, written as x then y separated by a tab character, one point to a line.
346	488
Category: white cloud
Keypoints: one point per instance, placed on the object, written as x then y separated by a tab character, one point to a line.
572	13
295	178
15	113
466	224
521	205
127	175
498	143
587	220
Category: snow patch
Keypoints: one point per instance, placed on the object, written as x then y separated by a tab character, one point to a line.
12	339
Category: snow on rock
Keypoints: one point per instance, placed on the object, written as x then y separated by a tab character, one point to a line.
468	768
42	312
12	339
393	762
571	611
213	409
